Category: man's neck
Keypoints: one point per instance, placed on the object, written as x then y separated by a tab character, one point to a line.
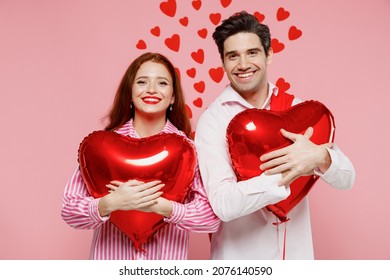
257	98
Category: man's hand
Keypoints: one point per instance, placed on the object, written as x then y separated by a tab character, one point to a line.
297	159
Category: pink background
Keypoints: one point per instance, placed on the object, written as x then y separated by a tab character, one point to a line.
60	64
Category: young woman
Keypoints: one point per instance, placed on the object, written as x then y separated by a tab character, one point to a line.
149	101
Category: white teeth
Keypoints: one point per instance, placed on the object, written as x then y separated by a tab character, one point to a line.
151	99
245	75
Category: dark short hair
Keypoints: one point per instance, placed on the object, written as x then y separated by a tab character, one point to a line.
241	22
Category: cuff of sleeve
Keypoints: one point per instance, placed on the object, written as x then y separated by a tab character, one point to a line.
269	184
331	172
94	211
178	213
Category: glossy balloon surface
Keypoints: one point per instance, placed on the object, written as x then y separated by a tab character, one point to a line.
254	132
105	156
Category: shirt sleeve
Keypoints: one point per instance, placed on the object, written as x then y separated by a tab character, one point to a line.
341	173
231	199
196	214
79	208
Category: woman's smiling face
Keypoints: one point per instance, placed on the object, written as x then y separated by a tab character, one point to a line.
152	90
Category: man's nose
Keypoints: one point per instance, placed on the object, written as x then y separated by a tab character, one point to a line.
243	63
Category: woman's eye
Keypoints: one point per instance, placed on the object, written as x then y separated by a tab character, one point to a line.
141	82
163	83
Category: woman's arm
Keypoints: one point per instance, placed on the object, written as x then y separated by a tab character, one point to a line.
79	208
195	214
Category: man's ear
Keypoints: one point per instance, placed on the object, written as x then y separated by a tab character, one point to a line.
269	57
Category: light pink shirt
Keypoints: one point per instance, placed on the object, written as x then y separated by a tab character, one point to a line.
80	211
247	230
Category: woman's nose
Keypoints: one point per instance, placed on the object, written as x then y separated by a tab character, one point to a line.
152	88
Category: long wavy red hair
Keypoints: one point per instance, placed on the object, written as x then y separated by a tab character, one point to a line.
121	110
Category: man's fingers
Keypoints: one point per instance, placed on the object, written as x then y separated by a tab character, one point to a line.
116	183
309	132
274	154
287	180
289	135
272	163
111	187
293	136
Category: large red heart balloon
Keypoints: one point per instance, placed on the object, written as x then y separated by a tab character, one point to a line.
254	132
105	156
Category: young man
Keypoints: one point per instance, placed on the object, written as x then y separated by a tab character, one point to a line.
249	230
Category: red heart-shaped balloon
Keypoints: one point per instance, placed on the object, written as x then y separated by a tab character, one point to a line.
105	156
254	132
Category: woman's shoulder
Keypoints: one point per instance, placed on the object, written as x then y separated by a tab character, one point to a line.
171	128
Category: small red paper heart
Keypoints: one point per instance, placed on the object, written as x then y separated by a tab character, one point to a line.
216	74
276	45
260	17
225	3
282	85
198	102
168	8
202	33
105	156
197	4
173	43
282	14
141	45
155	31
198	56
215	18
191	72
254	132
200	86
294	33
184	21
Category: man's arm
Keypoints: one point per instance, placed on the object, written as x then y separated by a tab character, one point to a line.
303	157
231	199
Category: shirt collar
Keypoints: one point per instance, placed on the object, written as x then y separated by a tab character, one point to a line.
129	130
230	95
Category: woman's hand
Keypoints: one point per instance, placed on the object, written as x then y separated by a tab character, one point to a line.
131	195
163	207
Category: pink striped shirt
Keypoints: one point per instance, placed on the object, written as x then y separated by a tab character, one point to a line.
80	210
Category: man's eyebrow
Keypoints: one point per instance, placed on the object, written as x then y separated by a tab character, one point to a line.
254	49
231	52
248	50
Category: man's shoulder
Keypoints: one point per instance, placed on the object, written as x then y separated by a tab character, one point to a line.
212	110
